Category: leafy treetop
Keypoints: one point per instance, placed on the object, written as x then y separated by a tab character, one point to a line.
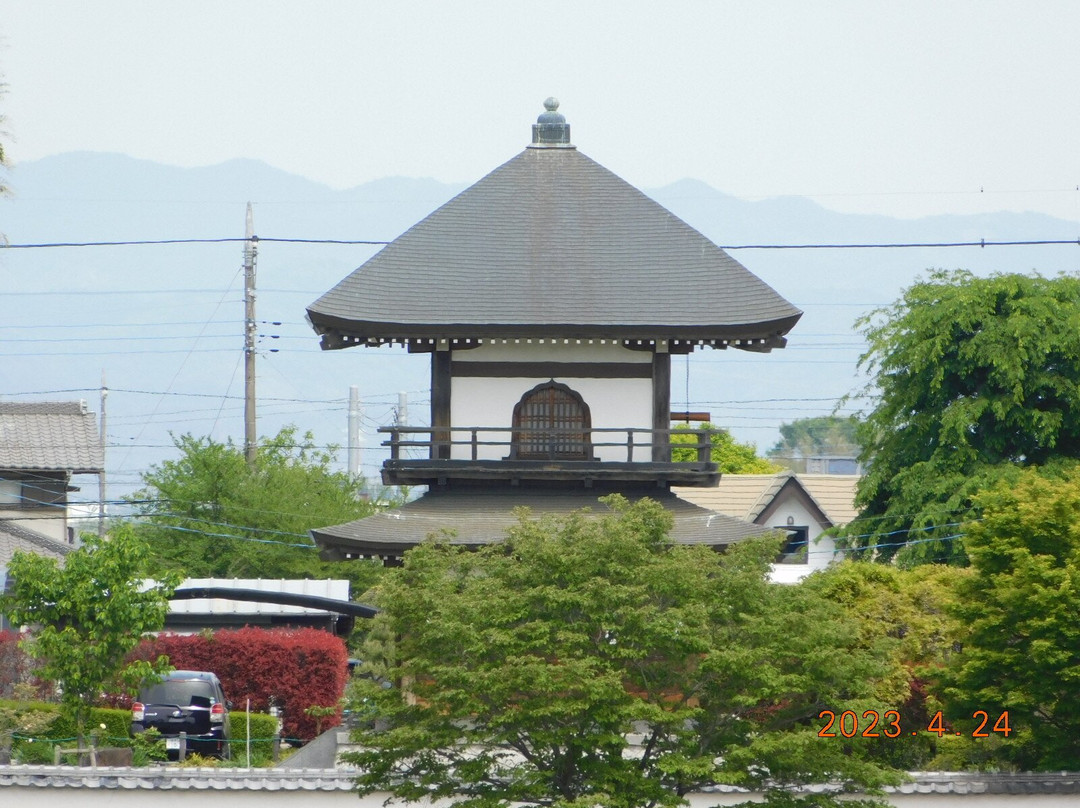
531	666
207	514
1021	637
731	456
87	615
975	377
822	435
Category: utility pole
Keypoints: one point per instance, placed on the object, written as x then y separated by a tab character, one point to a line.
355	413
250	244
101	476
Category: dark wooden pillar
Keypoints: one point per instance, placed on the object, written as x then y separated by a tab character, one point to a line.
661	408
440	404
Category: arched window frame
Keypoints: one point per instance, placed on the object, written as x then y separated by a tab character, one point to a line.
524	448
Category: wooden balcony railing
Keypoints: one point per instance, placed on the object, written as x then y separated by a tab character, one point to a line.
530	443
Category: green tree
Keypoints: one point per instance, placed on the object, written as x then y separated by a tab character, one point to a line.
732	457
823	435
87	615
529	668
207	514
1021	643
906	616
974	377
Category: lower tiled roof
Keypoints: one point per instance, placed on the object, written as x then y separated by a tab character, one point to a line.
483	516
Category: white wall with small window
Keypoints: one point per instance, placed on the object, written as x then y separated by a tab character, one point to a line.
806	550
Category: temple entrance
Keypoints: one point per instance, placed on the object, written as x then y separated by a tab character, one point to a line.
552	422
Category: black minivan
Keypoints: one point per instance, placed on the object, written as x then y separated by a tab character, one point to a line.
191	702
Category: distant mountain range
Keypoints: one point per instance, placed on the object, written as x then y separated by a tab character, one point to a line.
164	322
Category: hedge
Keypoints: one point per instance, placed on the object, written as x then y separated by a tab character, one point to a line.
292	669
263	730
37	746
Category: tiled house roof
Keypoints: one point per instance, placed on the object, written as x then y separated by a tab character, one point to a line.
748	496
14	536
49	436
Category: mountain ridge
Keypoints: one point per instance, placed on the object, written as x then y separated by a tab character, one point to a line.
167	321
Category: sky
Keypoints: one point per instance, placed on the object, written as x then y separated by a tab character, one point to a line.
906	109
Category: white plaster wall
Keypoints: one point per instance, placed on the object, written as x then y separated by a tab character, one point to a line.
552	351
613	403
820	548
53	525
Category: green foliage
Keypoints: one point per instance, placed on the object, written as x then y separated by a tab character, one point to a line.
148	746
263	731
36	728
526	666
1021	644
822	435
193	760
732	457
20	721
319	713
975	377
207	514
904	615
87	616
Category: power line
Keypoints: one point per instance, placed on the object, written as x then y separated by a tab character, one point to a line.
828	246
156	242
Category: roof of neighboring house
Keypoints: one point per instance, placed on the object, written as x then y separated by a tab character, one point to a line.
483	516
748	496
49	436
835	493
552	244
330	589
15	536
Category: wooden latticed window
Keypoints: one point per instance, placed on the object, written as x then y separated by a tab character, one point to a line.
552	422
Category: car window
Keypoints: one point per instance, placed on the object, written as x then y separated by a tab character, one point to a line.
183	693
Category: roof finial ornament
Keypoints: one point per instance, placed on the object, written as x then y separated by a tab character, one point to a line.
551	131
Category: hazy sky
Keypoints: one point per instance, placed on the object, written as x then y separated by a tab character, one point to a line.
905	108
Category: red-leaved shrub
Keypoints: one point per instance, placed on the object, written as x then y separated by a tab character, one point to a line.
291	668
13	662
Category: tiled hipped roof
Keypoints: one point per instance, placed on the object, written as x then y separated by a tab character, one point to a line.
552	244
484	515
49	436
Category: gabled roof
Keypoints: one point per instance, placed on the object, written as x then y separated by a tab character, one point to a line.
749	496
552	244
481	516
49	436
17	537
